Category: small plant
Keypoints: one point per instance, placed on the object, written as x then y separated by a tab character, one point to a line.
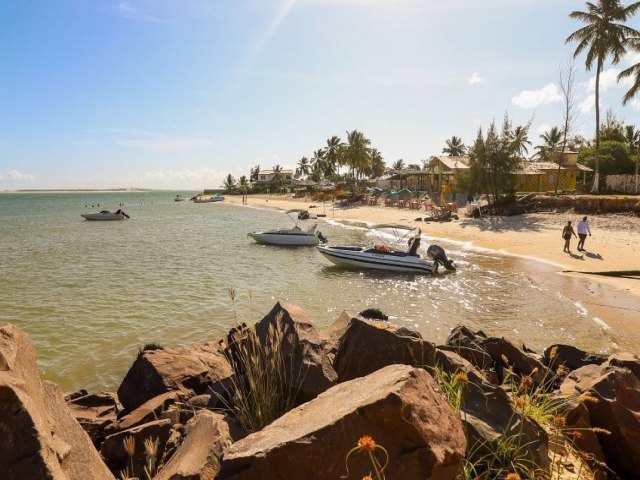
368	446
148	347
151	455
452	385
129	444
373	314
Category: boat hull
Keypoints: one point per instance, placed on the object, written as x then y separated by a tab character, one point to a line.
284	238
358	257
103	216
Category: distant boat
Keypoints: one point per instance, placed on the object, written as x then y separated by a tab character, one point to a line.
294	236
203	199
105	215
179	198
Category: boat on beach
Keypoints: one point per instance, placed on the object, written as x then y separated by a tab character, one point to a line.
294	236
105	215
389	257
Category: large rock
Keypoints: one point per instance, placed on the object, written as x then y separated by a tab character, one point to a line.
617	409
188	370
570	357
331	335
94	412
505	354
625	360
38	437
368	345
401	407
198	458
150	410
468	344
307	366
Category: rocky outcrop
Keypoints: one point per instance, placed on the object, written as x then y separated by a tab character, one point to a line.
369	345
399	406
187	370
331	335
94	412
570	357
149	411
39	437
199	456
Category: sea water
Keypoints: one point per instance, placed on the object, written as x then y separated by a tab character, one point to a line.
90	294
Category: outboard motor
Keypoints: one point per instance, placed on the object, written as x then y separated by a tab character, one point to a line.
437	253
321	237
303	215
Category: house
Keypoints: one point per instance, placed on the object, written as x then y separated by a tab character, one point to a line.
444	170
542	176
265	177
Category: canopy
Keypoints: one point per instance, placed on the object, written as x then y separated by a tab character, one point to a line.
396	226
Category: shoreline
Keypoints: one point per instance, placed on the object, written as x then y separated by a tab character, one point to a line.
613	302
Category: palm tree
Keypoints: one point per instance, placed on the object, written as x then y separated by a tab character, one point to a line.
398	164
551	141
254	173
319	159
243	183
454	147
229	183
304	167
633	70
278	176
520	139
377	166
603	36
332	154
633	142
356	154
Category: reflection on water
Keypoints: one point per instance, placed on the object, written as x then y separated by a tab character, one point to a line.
91	293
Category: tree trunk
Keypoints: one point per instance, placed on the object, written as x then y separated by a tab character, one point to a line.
596	176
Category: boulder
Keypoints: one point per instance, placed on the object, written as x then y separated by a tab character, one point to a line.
198	458
369	345
331	335
468	344
83	460
617	409
38	436
113	448
308	367
570	357
188	370
399	406
94	412
625	360
506	354
150	410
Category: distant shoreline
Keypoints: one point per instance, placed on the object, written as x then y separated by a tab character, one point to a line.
88	190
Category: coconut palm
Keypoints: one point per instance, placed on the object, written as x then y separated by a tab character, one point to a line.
278	176
398	165
332	154
304	167
603	36
243	183
520	139
633	142
377	166
319	158
356	153
229	183
552	139
454	147
254	173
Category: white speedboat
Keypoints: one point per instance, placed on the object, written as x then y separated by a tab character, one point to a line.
105	215
384	257
290	236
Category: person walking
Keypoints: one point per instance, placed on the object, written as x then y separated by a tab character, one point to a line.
567	231
583	229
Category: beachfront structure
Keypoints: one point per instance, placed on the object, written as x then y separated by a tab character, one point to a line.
443	171
543	176
265	177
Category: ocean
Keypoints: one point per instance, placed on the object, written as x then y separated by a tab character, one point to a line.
90	294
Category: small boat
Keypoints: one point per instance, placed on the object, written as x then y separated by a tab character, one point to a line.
105	215
290	236
211	199
385	257
179	198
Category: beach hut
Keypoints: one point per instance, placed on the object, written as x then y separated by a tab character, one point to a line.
543	176
444	171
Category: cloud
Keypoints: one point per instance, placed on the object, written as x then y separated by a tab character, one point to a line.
476	78
158	143
632	57
186	178
545	127
127	10
16	176
609	79
635	104
534	98
587	104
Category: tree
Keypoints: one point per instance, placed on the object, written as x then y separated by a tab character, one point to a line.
356	153
413	166
332	154
548	150
632	136
633	70
377	166
398	165
278	176
612	129
569	113
304	167
603	36
319	159
229	184
454	147
520	139
254	173
615	158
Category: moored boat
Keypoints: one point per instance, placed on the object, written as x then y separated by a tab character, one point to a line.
105	215
294	236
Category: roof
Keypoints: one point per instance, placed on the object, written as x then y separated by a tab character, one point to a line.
536	168
452	163
284	171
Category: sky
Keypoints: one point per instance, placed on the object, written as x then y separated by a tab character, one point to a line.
176	94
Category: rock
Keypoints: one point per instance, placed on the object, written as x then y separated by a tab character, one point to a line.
468	344
188	370
308	367
331	335
82	460
38	436
617	410
150	410
198	458
401	407
452	363
570	357
369	345
94	412
625	360
506	354
113	448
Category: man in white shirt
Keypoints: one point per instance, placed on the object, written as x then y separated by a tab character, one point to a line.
583	229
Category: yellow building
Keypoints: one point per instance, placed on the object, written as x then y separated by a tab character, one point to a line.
542	176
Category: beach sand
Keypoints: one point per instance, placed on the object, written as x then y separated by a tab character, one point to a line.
614	300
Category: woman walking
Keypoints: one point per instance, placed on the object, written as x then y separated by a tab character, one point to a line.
567	231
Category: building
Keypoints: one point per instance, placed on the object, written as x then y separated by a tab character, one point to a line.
265	177
543	176
443	171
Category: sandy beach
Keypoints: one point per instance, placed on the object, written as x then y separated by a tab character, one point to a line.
614	300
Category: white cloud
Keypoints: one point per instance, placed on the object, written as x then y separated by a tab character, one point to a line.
187	178
16	176
635	104
534	98
476	78
609	79
631	57
545	127
587	104
164	144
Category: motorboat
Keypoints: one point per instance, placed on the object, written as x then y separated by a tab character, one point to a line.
390	258
209	199
294	236
179	198
105	215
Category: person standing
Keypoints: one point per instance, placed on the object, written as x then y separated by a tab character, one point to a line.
583	229
567	231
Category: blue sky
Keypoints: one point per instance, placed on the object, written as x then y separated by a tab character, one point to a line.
177	93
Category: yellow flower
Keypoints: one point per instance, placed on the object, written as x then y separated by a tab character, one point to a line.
559	420
513	476
587	397
460	378
366	444
561	371
526	382
367	477
554	353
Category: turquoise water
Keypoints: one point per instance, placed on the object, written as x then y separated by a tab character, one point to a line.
91	293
